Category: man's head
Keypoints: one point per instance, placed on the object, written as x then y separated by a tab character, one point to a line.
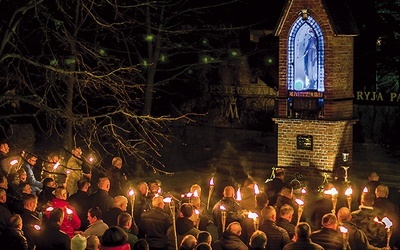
94	214
280	173
124	220
121	202
262	199
249	183
30	202
15	221
158	201
117	162
24	188
61	193
303	230
234	228
143	188
258	240
382	191
186	210
268	213
286	211
78	242
154	187
287	191
57	215
22	174
3	196
4	148
3	182
329	221
204	236
373	176
229	192
31	159
49	182
104	184
188	242
344	214
83	184
367	199
77	152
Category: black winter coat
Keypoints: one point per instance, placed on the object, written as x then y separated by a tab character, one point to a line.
154	225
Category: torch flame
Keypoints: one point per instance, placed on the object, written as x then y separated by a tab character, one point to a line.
49	209
212	182
348	192
56	165
195	193
189	195
13	162
196	211
167	199
332	191
252	215
131	192
343	229
303	190
256	189
365	190
37	227
387	222
299	202
69	211
222	207
238	195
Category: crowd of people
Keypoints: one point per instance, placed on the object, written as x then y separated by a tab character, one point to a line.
65	210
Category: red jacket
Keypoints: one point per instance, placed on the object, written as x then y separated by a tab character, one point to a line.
125	246
71	221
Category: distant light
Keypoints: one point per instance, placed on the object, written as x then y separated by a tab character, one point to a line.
102	52
149	38
163	58
70	61
234	53
145	63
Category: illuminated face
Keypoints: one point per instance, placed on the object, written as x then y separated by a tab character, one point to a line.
27	189
32	161
118	164
4	148
4	184
22	177
91	219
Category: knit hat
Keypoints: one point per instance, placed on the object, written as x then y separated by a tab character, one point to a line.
78	242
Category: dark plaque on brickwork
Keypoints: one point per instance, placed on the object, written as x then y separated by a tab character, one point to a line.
305	142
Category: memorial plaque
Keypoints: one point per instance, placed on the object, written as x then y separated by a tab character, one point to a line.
305	142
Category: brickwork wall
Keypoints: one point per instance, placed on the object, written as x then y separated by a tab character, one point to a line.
330	139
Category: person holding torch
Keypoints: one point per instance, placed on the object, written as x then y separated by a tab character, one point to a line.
233	210
71	220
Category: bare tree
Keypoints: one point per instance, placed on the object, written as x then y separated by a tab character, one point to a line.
87	70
